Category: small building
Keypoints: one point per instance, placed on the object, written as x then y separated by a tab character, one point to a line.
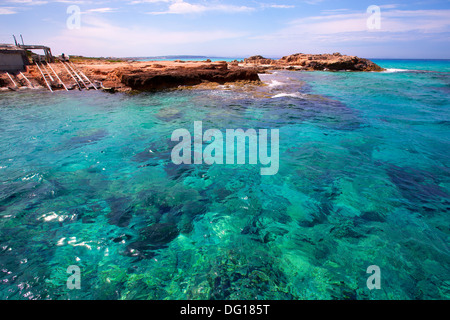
12	58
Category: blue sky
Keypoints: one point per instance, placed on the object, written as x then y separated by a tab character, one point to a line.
232	28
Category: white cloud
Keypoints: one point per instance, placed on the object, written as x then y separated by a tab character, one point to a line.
100	37
42	2
102	10
148	1
313	1
79	1
7	10
389	6
281	6
28	2
353	26
182	7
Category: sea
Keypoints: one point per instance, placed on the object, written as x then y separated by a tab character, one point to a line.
92	206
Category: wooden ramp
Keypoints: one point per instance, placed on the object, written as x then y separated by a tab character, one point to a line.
13	82
30	85
52	76
83	75
56	75
72	75
44	76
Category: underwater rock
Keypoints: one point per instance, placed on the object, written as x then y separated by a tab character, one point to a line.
169	114
94	169
175	172
419	187
89	138
143	156
219	193
345	230
272	234
156	150
156	236
159	233
194	208
140	250
121	211
183	216
146	156
264	235
122	237
316	217
246	274
175	205
156	198
373	216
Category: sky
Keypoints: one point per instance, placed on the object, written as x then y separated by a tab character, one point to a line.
231	28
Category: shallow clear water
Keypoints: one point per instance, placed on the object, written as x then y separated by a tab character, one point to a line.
86	179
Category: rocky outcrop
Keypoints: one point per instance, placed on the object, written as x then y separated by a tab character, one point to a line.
125	76
311	62
259	60
157	79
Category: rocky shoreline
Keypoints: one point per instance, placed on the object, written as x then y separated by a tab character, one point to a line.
126	76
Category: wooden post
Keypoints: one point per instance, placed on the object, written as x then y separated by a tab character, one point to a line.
50	55
46	55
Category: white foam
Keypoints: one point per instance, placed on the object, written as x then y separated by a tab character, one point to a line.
276	83
392	70
292	95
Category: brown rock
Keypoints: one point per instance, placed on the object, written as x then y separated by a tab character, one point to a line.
333	62
152	80
259	60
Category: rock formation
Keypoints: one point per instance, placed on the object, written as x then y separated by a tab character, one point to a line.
122	75
311	62
156	79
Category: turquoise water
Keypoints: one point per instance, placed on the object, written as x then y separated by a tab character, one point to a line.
364	179
418	65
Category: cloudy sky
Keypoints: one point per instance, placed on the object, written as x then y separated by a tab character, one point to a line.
231	28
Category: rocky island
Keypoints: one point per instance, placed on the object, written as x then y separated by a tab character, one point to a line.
122	75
